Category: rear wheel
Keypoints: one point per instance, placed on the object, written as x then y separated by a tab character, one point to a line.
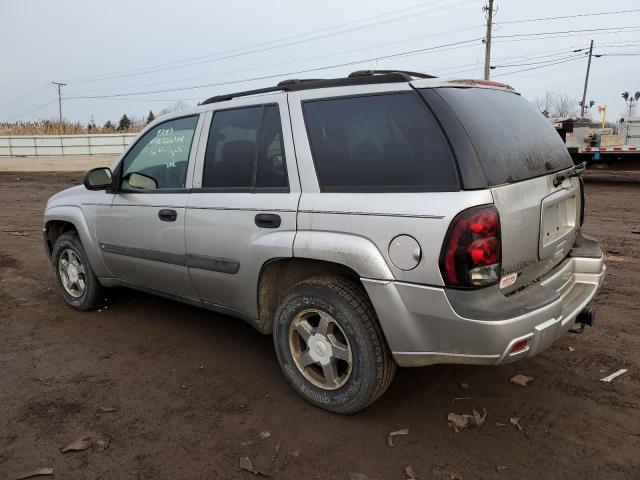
330	345
76	282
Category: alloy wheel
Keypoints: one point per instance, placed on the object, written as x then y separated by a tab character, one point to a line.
320	349
72	273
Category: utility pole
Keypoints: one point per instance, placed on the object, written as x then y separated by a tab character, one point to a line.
586	82
487	41
60	85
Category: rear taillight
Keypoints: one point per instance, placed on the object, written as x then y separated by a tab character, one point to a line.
471	255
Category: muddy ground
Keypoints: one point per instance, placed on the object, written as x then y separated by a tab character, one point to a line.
192	390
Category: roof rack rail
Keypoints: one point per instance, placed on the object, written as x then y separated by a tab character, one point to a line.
298	80
363	77
408	73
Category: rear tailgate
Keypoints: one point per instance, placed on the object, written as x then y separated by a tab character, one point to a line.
521	154
539	225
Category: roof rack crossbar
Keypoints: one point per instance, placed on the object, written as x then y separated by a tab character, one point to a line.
363	77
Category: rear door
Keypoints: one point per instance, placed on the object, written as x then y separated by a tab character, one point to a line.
521	155
242	211
375	166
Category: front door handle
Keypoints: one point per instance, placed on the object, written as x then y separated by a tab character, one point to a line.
268	220
167	215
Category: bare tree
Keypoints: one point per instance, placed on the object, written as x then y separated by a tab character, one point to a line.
566	106
179	105
554	104
546	103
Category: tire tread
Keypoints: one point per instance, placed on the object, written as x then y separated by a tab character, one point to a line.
357	298
96	295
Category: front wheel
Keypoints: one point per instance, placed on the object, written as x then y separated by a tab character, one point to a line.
76	282
330	345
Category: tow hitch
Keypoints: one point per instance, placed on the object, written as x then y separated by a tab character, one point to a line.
586	317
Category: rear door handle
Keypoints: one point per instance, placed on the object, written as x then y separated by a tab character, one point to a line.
268	220
167	215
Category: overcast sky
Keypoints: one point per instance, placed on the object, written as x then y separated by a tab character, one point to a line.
123	48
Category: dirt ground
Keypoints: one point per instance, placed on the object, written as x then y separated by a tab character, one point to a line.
192	390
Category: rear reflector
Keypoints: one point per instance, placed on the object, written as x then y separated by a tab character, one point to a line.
520	345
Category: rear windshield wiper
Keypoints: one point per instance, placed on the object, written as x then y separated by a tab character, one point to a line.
576	171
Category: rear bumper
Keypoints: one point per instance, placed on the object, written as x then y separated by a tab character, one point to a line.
428	325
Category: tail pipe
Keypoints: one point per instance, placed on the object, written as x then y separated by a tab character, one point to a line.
586	317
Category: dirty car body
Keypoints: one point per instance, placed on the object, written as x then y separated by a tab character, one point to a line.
451	208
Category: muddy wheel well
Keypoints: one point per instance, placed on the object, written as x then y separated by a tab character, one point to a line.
278	276
55	228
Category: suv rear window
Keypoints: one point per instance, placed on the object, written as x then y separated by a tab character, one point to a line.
512	139
387	142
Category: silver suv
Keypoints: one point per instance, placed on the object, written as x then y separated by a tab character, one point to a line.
387	218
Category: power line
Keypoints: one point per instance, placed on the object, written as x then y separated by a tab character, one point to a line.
586	30
191	62
550	35
15	117
563	51
442	7
395	55
493	67
19	99
273	41
567	16
253	68
503	37
265	77
538	67
550	55
616	54
217	57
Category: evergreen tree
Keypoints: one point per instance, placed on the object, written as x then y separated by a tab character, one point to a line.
108	126
124	123
151	117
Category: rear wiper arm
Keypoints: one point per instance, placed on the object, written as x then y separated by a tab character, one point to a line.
574	172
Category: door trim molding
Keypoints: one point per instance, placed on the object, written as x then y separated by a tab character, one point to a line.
200	262
216	264
144	253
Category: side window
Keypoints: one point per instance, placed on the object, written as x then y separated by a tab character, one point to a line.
378	143
272	166
245	149
160	158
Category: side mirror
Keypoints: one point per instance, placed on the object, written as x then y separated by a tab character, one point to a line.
141	181
98	179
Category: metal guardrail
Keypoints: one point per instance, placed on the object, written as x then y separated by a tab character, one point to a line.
44	145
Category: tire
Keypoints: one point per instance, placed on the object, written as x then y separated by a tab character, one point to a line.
350	382
86	293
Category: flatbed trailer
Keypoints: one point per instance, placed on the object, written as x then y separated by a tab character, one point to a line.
584	142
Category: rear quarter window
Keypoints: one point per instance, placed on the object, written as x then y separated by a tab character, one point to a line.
388	142
513	140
